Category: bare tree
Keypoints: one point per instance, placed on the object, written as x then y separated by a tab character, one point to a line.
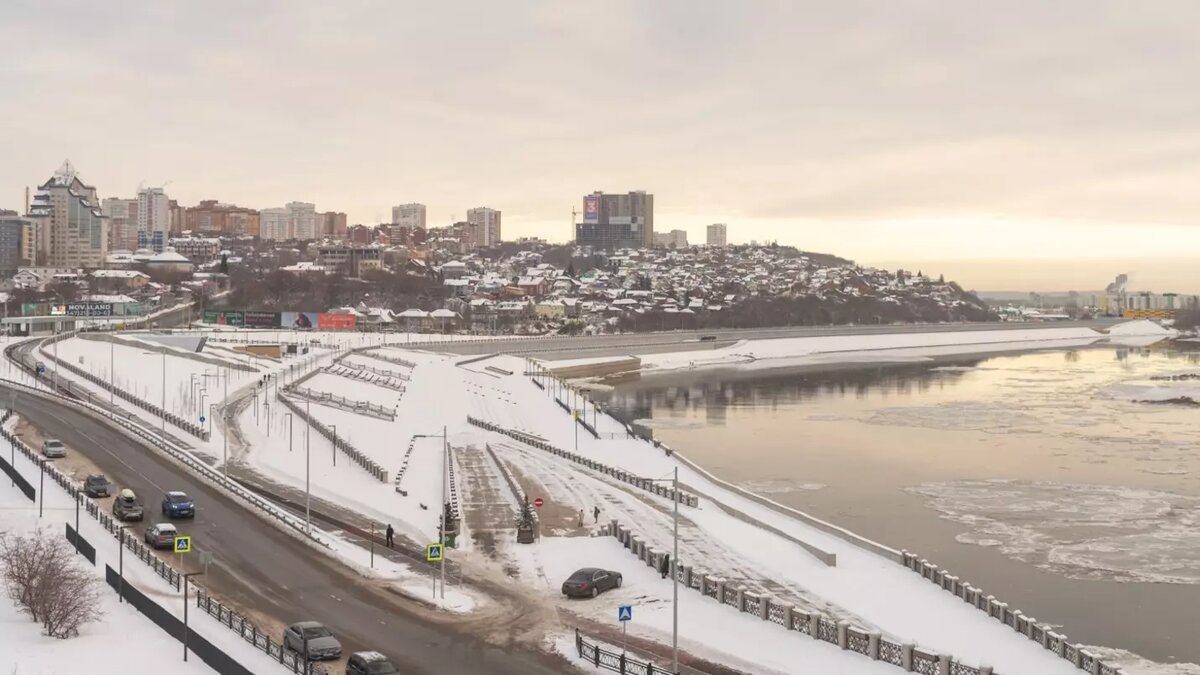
40	574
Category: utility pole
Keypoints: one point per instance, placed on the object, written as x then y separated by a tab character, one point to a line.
675	581
163	410
334	428
445	501
307	469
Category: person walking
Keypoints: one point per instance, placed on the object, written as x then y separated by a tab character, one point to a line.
580	517
391	536
665	568
596	515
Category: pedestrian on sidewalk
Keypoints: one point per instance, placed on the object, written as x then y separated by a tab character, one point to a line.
596	515
665	568
580	517
391	535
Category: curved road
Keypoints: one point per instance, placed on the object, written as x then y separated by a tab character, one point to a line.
257	566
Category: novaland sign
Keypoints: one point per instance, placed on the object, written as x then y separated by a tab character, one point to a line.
83	309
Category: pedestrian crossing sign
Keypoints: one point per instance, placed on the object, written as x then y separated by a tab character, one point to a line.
433	552
183	544
625	613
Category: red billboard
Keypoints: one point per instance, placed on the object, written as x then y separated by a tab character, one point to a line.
336	321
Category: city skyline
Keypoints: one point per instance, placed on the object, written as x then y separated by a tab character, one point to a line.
950	134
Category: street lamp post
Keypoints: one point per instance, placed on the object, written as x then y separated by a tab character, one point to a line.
673	567
289	419
307	467
334	428
121	564
112	370
445	489
163	410
41	487
186	577
12	447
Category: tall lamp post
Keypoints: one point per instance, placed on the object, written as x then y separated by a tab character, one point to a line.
335	439
12	448
289	419
186	576
673	570
307	467
445	487
121	563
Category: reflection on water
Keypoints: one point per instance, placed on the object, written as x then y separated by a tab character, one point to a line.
1032	474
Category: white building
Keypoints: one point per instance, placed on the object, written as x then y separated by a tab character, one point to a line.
303	221
410	215
153	219
717	235
672	239
488	223
274	224
122	222
71	229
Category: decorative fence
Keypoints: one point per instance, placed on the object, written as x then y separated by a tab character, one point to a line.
363	375
404	467
1028	626
293	661
620	474
343	403
375	353
517	492
618	662
452	485
340	443
813	624
187	425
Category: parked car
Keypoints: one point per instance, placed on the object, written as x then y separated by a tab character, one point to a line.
369	663
321	643
52	448
126	506
161	535
590	582
708	338
96	485
177	504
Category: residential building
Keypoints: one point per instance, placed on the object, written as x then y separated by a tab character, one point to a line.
717	235
332	224
411	215
612	221
14	230
122	223
275	224
196	249
488	223
303	221
213	217
72	230
177	218
350	260
672	239
153	218
39	278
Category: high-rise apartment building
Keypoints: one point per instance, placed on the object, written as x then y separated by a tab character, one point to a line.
122	223
274	224
213	217
487	222
332	224
304	221
409	215
672	239
717	235
15	233
153	218
72	231
612	221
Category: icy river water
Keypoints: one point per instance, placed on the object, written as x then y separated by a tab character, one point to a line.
1035	476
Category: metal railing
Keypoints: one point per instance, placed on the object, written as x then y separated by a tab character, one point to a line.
359	458
343	403
248	631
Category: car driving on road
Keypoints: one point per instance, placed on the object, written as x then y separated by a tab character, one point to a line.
177	504
95	485
126	506
369	663
590	582
320	642
161	535
52	448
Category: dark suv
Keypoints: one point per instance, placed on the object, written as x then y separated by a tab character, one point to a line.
178	505
126	506
369	663
95	485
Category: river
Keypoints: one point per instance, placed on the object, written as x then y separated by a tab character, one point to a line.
1034	476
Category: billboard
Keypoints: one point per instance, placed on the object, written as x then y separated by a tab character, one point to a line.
299	320
261	319
82	309
221	318
336	321
591	208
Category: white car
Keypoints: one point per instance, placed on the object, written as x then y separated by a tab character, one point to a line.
52	448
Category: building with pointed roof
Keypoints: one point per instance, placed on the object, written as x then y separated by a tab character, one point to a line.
71	229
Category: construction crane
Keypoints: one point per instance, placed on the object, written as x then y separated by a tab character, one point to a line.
574	213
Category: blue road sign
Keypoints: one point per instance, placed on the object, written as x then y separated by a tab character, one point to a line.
433	552
202	418
625	613
41	368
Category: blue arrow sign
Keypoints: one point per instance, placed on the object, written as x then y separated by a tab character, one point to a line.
202	418
41	367
625	613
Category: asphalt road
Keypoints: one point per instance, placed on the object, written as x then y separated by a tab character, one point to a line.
684	340
259	567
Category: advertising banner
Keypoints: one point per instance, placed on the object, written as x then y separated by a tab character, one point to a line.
89	309
261	319
236	319
336	321
299	320
591	208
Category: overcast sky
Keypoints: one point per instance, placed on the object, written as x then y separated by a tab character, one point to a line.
899	133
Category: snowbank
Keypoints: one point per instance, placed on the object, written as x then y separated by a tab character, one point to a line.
1139	327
